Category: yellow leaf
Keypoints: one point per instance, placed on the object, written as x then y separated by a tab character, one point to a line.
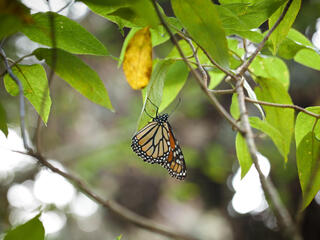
137	64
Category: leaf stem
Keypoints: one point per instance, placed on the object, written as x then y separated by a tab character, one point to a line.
283	106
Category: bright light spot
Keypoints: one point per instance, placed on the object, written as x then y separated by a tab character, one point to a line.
24	46
36	5
19	216
83	206
249	196
53	221
42	5
52	188
316	35
317	198
76	10
20	196
10	161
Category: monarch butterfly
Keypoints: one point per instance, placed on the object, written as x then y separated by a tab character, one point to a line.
155	143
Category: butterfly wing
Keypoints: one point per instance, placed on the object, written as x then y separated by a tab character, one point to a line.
150	143
175	163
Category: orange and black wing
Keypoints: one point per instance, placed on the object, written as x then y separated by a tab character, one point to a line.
150	143
175	163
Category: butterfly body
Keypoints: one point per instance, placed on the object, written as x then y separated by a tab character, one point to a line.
155	143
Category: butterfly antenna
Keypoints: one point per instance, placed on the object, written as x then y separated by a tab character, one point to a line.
173	110
154	106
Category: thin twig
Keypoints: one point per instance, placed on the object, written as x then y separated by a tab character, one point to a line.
214	101
246	64
194	63
202	70
109	204
21	100
187	38
244	44
298	108
223	91
15	63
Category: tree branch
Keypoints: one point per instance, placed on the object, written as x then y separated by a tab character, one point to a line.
223	91
272	195
283	106
187	38
281	212
21	99
213	100
241	70
111	205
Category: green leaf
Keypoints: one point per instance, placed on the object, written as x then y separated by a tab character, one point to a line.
253	35
215	79
304	124
234	108
282	119
129	13
230	20
307	131
271	67
78	74
31	230
283	28
174	81
237	1
201	19
309	58
235	53
9	24
243	155
126	42
3	121
294	42
308	159
233	24
35	87
70	36
255	13
298	37
272	132
154	91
